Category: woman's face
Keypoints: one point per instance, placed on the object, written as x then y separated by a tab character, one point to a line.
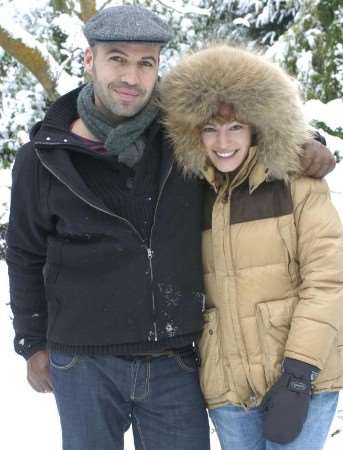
226	144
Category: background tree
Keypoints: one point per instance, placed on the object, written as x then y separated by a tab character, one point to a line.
41	45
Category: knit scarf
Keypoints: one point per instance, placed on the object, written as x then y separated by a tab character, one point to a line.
126	139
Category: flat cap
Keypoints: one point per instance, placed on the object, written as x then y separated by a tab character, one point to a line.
127	23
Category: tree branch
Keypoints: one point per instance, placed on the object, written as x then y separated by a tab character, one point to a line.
63	6
31	58
105	4
88	9
35	57
184	9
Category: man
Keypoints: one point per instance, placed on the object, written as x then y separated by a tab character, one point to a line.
104	252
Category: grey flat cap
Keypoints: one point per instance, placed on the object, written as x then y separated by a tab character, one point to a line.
127	23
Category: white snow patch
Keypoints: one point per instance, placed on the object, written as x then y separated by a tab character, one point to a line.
330	113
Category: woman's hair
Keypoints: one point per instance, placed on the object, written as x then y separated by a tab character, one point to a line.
226	113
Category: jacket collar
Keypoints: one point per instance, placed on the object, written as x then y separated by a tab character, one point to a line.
53	143
252	169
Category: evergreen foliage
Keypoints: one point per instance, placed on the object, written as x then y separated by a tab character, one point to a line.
315	49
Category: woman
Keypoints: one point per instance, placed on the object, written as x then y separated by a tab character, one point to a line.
272	252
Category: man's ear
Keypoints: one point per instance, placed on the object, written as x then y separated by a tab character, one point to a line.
88	60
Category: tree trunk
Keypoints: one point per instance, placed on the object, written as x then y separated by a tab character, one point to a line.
88	9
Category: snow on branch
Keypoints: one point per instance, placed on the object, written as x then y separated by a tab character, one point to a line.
62	6
105	5
184	9
34	56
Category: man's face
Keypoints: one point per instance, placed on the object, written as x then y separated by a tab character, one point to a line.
124	75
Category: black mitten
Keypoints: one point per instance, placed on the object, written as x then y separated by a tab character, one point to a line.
286	404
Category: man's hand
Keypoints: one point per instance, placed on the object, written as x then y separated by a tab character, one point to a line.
317	160
38	372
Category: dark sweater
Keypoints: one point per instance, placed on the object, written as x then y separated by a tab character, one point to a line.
129	192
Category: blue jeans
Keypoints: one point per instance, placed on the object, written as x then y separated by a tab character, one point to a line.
99	397
239	429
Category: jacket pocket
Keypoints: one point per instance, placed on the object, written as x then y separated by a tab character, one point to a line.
273	324
212	376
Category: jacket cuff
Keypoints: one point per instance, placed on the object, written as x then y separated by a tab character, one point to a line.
27	351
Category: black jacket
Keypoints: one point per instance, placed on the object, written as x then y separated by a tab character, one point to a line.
81	278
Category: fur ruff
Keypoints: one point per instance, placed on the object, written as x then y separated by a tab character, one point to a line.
261	93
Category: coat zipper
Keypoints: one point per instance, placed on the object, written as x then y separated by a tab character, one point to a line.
150	252
238	332
148	249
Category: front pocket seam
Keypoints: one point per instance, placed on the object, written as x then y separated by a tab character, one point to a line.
264	324
66	367
182	365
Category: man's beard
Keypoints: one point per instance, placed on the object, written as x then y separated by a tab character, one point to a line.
115	110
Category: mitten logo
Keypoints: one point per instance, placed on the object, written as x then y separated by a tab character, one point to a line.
297	385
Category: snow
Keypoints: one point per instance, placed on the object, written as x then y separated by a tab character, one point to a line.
241	21
330	113
304	62
185	7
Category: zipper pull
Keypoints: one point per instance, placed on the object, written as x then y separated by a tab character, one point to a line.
203	308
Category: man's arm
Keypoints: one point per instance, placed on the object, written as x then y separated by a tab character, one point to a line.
317	160
29	226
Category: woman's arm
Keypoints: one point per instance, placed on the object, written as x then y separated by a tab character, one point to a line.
319	313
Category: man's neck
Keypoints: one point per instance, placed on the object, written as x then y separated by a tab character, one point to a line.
80	129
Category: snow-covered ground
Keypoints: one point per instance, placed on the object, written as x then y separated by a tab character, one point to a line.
29	420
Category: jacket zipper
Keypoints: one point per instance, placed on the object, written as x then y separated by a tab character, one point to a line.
238	332
148	249
150	252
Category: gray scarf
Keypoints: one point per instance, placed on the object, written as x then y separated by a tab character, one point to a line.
125	139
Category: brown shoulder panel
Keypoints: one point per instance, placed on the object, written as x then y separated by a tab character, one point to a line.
272	199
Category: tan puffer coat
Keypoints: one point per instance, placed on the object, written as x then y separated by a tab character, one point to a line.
272	242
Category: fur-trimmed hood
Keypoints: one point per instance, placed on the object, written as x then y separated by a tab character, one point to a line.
261	93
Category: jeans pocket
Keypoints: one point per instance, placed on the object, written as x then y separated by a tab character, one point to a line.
186	361
62	361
